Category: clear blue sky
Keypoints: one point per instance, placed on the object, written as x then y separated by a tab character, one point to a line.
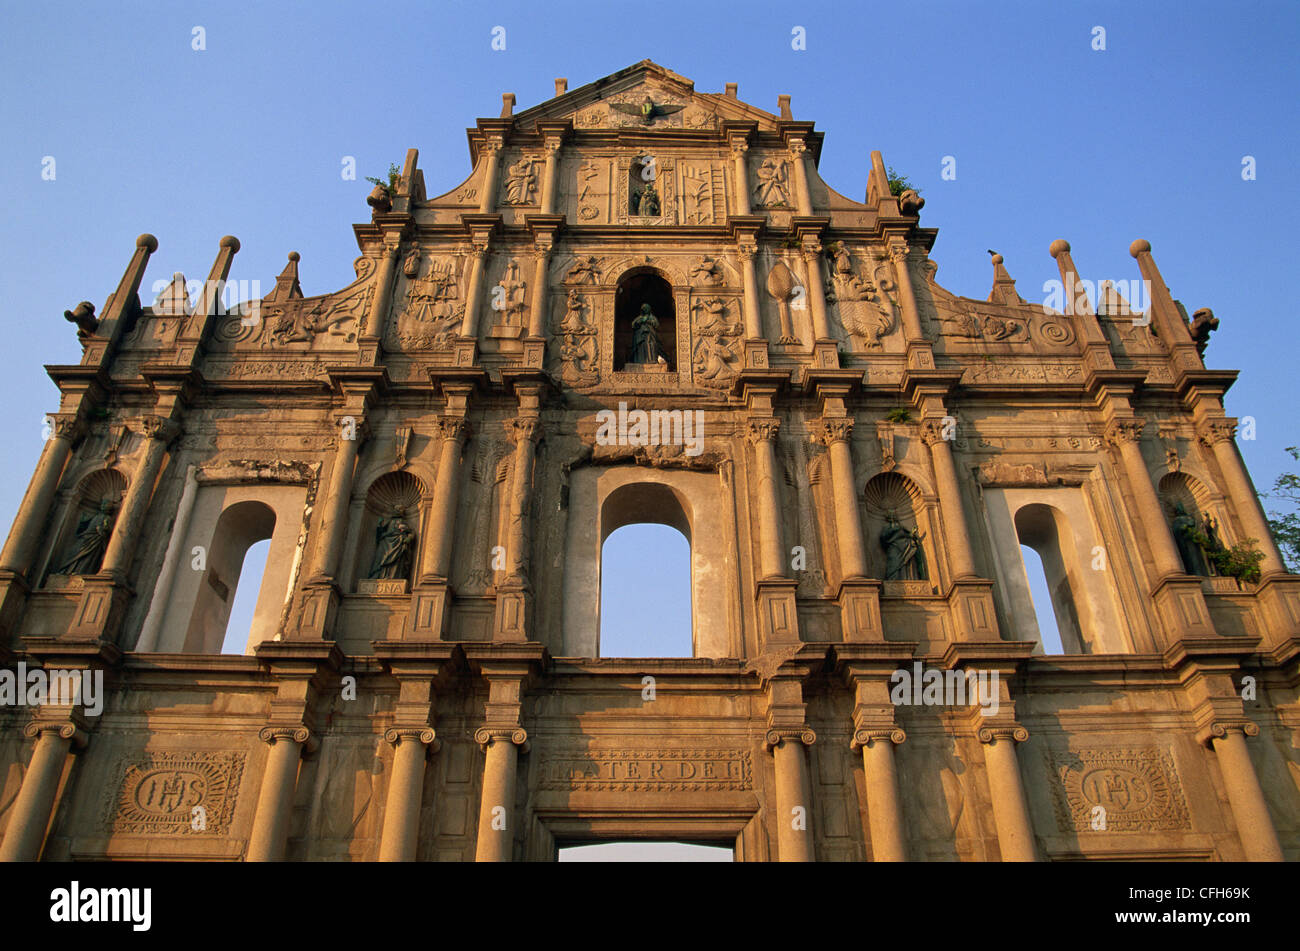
1052	139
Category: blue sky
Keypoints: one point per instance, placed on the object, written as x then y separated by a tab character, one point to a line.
1051	138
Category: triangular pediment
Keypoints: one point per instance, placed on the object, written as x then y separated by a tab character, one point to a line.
620	101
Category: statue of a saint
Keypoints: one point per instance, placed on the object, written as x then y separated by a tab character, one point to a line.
394	540
521	182
904	559
1189	549
93	532
647	203
646	347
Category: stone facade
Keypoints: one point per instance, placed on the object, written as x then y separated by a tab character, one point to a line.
424	450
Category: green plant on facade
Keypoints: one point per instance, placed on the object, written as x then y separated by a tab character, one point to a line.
390	186
900	414
898	183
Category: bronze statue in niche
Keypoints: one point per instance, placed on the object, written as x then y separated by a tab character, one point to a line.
394	543
93	533
646	346
904	559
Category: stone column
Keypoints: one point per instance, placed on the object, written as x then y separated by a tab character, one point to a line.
1010	808
1125	433
275	799
537	306
836	432
474	297
378	313
524	433
956	534
898	253
158	433
334	524
802	195
1249	810
550	177
762	434
487	203
402	806
753	320
30	817
816	292
793	804
435	557
741	171
1219	435
30	521
884	810
496	818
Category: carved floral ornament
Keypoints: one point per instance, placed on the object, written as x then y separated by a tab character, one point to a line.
762	430
835	430
453	427
1121	431
1217	431
524	428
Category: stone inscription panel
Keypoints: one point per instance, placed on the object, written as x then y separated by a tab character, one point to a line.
648	770
1139	790
175	794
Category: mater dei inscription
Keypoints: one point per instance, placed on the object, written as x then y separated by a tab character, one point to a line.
855	455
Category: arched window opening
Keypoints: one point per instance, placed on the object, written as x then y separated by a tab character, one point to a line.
238	528
646	607
645	323
646	852
240	625
1045	530
1044	612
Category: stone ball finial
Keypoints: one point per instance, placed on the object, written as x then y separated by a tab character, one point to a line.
295	256
1139	246
148	242
997	259
1058	247
231	242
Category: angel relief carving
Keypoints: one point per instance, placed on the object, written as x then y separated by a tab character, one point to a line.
574	344
716	359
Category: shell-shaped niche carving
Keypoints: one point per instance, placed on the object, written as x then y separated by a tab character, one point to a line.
395	492
103	484
1179	489
892	494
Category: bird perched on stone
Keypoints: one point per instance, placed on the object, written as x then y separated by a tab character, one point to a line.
648	110
83	315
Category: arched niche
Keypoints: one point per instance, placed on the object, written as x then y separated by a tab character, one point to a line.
605	498
1178	490
892	501
394	494
638	286
96	488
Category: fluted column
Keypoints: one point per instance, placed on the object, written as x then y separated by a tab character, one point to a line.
377	316
1125	433
436	550
158	433
270	831
793	804
1219	435
1010	808
1249	810
30	816
340	492
956	533
474	297
762	433
741	172
884	810
491	177
35	510
836	432
402	806
496	809
898	253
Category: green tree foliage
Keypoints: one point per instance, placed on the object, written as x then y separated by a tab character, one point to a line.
1285	525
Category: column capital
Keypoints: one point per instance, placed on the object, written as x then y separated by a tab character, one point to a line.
811	248
426	736
485	736
1122	431
762	429
797	146
453	427
1006	731
295	732
1214	431
160	428
523	428
1225	726
739	145
869	735
898	251
776	737
62	729
69	426
933	429
747	247
835	429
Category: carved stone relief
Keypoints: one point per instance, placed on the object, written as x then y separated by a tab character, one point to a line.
1138	790
175	794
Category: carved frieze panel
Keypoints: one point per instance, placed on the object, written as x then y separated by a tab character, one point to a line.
1023	373
170	793
683	770
1139	790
